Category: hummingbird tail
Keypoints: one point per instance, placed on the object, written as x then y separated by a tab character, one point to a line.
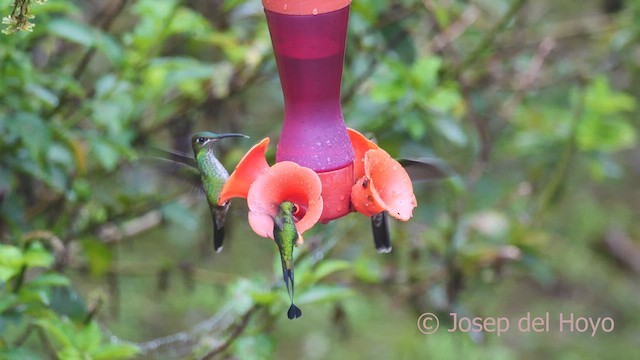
294	312
380	228
218	238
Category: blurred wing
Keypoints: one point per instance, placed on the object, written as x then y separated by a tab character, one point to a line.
178	166
426	169
174	156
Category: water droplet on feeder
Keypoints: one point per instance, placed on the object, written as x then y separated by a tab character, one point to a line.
315	11
285	6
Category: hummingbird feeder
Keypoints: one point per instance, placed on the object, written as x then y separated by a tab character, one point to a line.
351	172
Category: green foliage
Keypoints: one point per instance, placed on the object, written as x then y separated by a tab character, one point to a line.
540	139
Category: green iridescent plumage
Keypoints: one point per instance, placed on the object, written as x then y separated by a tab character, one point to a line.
213	176
285	234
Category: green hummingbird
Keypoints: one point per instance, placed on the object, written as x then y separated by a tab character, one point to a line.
213	176
285	234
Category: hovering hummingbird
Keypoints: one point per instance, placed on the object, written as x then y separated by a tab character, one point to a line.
419	170
285	234
213	176
204	171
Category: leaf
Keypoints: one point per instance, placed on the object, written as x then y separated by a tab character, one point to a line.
7	301
37	255
425	72
33	132
65	301
323	293
18	354
415	125
115	351
105	153
49	279
451	130
254	347
60	331
329	267
367	270
87	338
73	31
99	256
264	298
10	262
602	133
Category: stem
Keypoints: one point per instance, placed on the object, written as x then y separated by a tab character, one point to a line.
237	331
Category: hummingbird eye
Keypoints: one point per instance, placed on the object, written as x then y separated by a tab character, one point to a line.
200	140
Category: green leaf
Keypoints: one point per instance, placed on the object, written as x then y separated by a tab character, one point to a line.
73	31
18	354
105	153
58	330
7	301
11	261
415	125
99	256
115	351
33	132
49	279
329	267
323	293
254	347
605	134
70	353
451	130
87	338
264	298
425	72
367	270
37	255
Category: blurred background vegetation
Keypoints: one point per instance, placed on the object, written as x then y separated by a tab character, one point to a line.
532	106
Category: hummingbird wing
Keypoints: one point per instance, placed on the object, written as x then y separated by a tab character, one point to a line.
380	228
426	169
177	157
177	165
287	274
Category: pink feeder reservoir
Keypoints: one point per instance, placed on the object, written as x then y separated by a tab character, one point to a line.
309	39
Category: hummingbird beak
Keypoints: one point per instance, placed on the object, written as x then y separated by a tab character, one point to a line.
222	136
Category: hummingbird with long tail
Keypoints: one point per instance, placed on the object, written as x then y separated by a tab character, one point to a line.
213	176
286	235
207	172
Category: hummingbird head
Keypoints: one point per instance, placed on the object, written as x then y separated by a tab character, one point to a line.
207	139
288	208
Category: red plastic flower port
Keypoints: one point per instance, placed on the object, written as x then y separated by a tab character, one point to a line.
383	184
253	164
266	187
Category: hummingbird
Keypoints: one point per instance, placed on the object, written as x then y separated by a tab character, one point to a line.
285	234
213	176
419	170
